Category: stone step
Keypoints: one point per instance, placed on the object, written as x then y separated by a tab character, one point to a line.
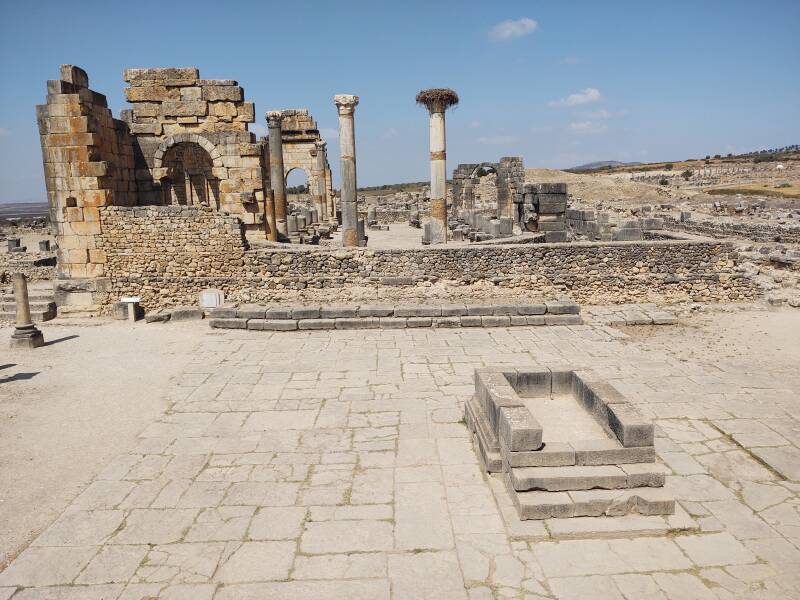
590	503
575	478
37	316
32	297
485	441
37	305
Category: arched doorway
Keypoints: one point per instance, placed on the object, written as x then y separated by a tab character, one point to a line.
189	179
298	186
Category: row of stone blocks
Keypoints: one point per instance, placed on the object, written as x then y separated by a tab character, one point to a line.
263	318
565	478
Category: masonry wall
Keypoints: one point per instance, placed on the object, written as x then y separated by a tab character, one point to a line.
757	232
168	254
88	163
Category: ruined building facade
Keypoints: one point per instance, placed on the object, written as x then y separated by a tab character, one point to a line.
184	142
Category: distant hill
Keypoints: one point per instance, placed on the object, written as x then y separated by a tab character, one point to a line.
603	164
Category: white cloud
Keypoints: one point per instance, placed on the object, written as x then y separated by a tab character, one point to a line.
507	30
474	124
587	127
543	129
598	114
497	140
585	96
570	60
4	131
259	129
328	133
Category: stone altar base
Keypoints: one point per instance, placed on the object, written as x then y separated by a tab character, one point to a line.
567	443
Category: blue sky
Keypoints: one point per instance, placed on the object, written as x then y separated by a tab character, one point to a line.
560	83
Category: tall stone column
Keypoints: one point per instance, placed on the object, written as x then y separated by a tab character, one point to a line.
437	101
25	335
346	105
318	175
277	182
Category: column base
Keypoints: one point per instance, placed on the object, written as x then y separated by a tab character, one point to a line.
27	336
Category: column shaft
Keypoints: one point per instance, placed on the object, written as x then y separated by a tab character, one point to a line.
438	178
277	182
346	105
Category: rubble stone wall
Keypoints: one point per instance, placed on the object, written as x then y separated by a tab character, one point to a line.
205	249
37	266
757	232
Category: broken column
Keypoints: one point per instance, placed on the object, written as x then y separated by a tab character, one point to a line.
277	182
318	177
25	335
346	106
437	101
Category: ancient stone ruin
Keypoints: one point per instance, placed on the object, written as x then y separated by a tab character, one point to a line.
568	444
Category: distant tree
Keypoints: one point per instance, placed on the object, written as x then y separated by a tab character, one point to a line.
669	166
664	181
717	156
730	154
687	174
708	156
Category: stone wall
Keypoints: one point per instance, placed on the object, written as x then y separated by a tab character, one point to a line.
757	232
205	249
37	266
510	178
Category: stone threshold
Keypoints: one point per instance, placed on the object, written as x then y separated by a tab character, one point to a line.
276	318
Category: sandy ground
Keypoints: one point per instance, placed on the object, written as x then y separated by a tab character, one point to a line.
67	408
769	338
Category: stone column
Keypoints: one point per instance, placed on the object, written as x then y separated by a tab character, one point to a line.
437	101
277	181
318	175
25	335
346	105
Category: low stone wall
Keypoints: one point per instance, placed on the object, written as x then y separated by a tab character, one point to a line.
37	266
757	232
167	255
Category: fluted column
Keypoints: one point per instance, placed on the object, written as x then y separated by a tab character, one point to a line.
346	106
277	182
318	175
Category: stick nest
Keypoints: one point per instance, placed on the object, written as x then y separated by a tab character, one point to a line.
437	97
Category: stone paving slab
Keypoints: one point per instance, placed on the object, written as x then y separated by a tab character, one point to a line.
335	464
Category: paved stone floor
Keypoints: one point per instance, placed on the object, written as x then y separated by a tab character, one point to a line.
336	465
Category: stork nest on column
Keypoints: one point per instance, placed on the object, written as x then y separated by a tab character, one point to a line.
437	98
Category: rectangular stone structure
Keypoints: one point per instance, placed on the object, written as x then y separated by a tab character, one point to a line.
612	475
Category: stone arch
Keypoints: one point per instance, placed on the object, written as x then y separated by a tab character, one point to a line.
180	138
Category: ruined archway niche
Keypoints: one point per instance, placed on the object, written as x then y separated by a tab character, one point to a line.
300	138
510	180
189	177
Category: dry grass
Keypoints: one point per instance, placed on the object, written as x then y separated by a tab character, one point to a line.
759	189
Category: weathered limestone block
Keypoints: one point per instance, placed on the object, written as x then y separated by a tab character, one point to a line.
184	109
151	94
160	74
230	93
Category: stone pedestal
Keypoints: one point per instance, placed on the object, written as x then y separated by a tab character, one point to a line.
25	335
346	106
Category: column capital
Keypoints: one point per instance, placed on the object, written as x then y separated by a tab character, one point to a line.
274	118
345	103
320	145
